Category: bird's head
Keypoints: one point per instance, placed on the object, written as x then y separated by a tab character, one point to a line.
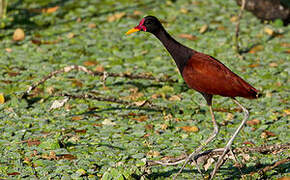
148	24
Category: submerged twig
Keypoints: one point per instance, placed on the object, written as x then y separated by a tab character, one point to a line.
203	157
84	69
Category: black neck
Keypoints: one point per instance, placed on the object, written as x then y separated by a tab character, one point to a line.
180	53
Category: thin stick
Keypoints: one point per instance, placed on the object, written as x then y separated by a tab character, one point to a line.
145	103
238	27
84	69
204	156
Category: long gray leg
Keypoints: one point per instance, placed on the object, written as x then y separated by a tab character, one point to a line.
211	137
229	144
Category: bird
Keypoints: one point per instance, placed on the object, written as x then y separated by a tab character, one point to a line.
206	75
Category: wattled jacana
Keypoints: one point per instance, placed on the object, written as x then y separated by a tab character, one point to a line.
204	74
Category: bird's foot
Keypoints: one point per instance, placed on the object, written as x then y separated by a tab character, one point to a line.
221	160
191	156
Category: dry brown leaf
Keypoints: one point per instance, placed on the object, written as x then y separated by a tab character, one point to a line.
50	10
92	25
18	34
269	133
164	126
189	128
67	157
148	126
90	63
70	35
256	49
175	98
229	117
203	29
100	68
79	20
269	31
287	51
2	98
77	83
234	19
188	36
155	96
13	174
248	143
254	65
263	135
140	103
33	142
141	118
152	153
116	16
137	13
284	178
253	122
287	111
285	44
77	118
13	74
273	64
80	131
50	90
183	10
9	50
221	28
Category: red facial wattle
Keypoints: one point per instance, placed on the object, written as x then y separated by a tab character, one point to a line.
140	27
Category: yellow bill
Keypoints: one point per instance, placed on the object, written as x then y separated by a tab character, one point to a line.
132	31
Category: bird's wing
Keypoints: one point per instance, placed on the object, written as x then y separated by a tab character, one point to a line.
208	75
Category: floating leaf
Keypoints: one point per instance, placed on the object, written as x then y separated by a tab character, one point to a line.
152	153
33	142
67	157
92	25
81	131
77	118
273	64
183	10
50	10
203	29
175	98
70	35
18	35
140	103
234	19
269	31
13	174
287	111
253	122
188	36
9	50
190	128
249	143
108	122
100	68
2	99
141	118
116	16
57	104
90	63
256	49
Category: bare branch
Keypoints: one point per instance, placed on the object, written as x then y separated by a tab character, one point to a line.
238	27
